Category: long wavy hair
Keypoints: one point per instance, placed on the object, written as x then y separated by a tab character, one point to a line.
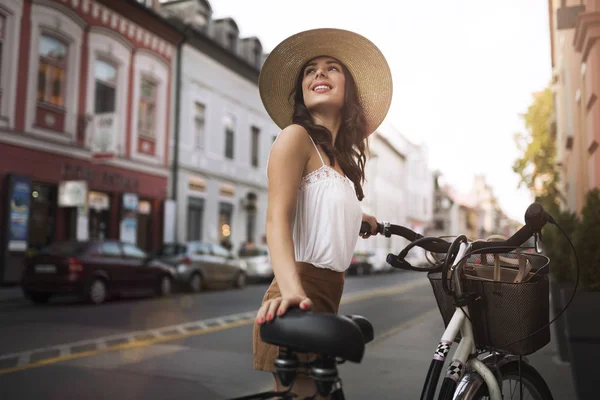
350	147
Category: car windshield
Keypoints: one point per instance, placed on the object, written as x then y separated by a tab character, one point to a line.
65	248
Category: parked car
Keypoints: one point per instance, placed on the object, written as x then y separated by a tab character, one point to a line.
361	264
258	263
95	270
199	265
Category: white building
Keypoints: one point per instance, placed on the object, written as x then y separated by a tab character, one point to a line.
399	187
225	133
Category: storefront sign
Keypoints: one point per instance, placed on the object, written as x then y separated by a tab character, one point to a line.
104	141
72	194
18	215
113	180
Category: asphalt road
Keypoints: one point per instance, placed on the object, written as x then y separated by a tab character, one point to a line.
183	347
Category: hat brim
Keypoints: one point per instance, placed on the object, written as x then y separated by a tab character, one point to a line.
363	59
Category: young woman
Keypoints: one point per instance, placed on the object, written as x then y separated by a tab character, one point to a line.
328	89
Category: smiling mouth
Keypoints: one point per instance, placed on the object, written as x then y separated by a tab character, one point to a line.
321	88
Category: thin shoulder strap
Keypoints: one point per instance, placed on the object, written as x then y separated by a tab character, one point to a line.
317	149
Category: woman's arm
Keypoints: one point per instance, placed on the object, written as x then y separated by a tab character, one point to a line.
287	161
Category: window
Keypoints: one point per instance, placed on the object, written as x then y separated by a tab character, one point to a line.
229	136
106	80
232	41
133	252
52	71
220	251
195	218
147	113
201	249
255	137
199	110
170	250
110	249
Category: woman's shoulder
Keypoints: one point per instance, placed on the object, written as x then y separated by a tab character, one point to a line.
293	136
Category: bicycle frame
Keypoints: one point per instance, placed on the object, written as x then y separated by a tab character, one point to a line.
462	356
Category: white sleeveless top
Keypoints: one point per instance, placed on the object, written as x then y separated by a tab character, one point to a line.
327	220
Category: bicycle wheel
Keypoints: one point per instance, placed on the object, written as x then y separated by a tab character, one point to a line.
534	386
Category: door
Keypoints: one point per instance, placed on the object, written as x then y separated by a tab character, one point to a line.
143	277
107	257
225	270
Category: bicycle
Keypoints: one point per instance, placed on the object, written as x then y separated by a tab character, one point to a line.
487	355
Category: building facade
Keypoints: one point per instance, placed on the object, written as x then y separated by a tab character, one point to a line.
225	133
385	192
85	123
575	82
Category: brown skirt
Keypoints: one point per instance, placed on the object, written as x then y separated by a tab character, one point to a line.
323	286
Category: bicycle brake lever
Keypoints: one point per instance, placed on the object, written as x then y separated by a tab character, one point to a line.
537	239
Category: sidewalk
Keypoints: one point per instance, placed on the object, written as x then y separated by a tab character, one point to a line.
395	366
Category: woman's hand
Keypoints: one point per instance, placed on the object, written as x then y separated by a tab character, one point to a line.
372	222
278	306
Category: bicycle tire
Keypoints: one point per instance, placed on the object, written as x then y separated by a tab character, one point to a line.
531	380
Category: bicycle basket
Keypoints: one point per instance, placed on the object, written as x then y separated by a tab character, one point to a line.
504	311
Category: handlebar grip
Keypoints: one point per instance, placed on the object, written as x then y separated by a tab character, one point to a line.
365	227
536	217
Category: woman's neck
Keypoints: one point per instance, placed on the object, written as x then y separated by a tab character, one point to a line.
330	122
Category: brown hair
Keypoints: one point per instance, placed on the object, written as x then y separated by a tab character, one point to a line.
350	144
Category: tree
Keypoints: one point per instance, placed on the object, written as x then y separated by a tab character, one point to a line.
538	171
537	165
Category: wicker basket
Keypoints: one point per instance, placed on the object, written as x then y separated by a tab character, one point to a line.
505	312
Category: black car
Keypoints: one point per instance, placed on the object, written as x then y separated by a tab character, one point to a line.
95	270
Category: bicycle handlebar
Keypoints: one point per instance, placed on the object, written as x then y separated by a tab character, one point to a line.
535	219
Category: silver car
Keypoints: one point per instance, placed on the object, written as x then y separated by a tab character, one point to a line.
200	265
258	263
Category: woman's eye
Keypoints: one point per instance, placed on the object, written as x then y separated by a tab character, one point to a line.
308	71
333	68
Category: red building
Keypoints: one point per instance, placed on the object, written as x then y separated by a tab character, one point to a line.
82	81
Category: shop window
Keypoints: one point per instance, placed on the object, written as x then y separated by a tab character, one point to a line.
105	75
225	214
147	107
195	218
42	216
52	71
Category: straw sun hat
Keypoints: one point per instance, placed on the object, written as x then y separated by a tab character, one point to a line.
363	59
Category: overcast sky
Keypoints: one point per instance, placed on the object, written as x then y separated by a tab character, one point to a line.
463	71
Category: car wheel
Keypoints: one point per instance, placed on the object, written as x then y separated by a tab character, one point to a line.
38	297
97	292
195	283
240	280
165	286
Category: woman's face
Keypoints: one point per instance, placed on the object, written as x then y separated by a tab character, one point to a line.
323	84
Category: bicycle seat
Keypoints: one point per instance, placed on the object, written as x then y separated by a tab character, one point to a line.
322	333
